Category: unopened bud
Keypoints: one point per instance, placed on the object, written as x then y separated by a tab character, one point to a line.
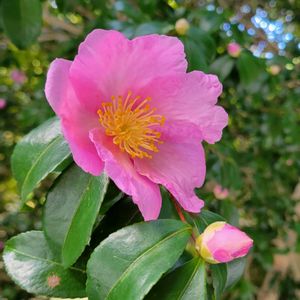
220	192
221	243
274	69
182	26
234	49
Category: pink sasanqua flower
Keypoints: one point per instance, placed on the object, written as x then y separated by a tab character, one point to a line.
128	107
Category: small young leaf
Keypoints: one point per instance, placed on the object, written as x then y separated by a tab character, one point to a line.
22	20
39	153
71	210
31	264
187	282
135	257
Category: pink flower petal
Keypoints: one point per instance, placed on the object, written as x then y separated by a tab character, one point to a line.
57	81
108	64
180	131
75	120
120	169
180	167
190	97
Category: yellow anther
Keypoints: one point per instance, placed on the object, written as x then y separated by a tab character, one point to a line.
130	124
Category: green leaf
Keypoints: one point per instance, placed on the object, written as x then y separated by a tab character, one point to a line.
31	264
251	70
205	218
135	257
205	43
222	66
168	210
235	270
152	27
71	210
230	212
112	196
187	282
219	276
226	275
195	57
39	153
22	21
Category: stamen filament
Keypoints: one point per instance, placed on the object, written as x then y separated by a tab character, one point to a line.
132	128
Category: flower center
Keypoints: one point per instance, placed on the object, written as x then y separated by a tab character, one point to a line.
130	124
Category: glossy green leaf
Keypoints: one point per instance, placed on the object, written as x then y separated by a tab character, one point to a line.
219	276
226	275
31	264
168	210
135	257
112	196
187	282
235	270
71	210
205	218
22	20
39	153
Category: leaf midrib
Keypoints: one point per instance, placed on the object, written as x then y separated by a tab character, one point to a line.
41	259
190	279
53	142
130	267
75	213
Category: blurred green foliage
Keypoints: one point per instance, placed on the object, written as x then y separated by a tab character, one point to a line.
258	158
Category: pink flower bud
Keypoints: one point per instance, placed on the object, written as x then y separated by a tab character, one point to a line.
182	26
274	69
221	242
220	192
234	49
18	76
2	103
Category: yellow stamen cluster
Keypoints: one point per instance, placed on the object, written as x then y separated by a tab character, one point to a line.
129	122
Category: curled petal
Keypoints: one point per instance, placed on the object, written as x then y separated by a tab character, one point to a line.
119	168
